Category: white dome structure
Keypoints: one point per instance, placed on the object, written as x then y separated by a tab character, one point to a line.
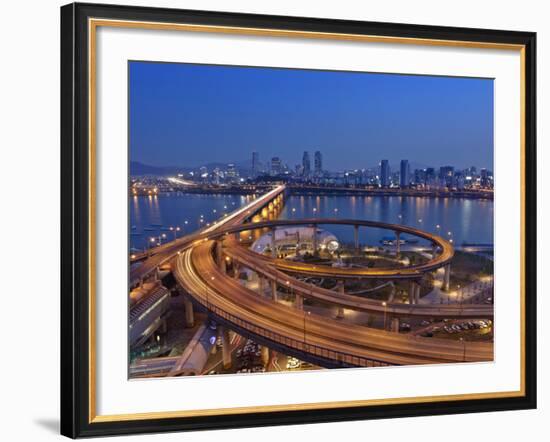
296	240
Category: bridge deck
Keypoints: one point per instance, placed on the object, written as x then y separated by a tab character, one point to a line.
197	271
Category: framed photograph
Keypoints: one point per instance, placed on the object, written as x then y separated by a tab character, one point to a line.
274	220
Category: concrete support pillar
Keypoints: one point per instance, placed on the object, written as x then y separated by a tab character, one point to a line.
314	239
395	325
417	294
397	244
447	277
299	302
219	256
236	270
274	290
412	292
261	281
273	244
434	251
340	313
226	348
356	237
265	355
392	293
189	315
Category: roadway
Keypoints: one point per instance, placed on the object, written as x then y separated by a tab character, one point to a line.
443	258
270	268
197	272
162	254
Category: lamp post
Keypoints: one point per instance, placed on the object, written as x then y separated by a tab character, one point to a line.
207	300
385	304
305	314
463	349
150	243
175	230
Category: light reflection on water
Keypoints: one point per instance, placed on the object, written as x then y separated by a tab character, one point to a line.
468	220
152	216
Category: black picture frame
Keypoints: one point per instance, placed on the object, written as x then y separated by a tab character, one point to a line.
75	219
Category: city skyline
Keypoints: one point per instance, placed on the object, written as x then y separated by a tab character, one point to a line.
311	219
199	112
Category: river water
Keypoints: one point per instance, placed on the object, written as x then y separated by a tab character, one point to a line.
462	219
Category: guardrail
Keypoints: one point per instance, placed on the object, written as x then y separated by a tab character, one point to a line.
345	359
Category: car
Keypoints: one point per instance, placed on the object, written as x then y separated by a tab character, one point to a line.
293	363
427	334
425	323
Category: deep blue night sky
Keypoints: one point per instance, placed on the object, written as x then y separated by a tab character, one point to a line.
187	115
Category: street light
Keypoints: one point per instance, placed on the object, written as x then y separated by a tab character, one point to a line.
175	230
385	304
463	349
207	301
305	313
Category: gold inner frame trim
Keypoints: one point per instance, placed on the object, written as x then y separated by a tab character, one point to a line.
93	24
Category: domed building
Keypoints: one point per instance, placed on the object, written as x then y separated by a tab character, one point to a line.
290	241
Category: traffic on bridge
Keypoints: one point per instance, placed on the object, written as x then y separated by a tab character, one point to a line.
207	266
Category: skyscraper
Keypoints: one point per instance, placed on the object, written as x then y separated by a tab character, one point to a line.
276	166
306	164
231	171
484	178
318	164
430	177
446	175
255	164
404	180
385	173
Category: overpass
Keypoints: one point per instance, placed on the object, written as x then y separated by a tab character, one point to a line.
312	337
271	270
164	253
318	339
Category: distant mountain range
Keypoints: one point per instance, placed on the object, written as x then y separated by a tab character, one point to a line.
137	168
